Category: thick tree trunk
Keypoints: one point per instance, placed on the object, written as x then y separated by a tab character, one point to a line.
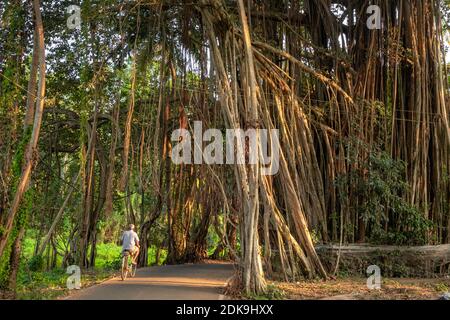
253	276
32	146
15	259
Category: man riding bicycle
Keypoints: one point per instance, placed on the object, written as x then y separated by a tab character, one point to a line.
130	243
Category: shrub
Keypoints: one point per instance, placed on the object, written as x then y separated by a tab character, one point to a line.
378	190
36	263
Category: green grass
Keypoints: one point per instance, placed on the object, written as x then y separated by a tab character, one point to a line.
28	247
50	284
441	287
108	256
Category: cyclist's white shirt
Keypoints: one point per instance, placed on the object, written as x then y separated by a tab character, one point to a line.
129	239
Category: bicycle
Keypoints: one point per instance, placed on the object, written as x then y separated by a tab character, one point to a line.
128	268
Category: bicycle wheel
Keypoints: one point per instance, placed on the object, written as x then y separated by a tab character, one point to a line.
133	270
124	272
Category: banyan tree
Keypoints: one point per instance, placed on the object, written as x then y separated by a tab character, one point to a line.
361	113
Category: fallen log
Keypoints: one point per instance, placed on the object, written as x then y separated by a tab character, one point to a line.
394	261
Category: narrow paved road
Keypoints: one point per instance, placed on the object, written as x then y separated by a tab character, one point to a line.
183	282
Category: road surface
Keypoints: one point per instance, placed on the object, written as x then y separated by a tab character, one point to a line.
183	282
